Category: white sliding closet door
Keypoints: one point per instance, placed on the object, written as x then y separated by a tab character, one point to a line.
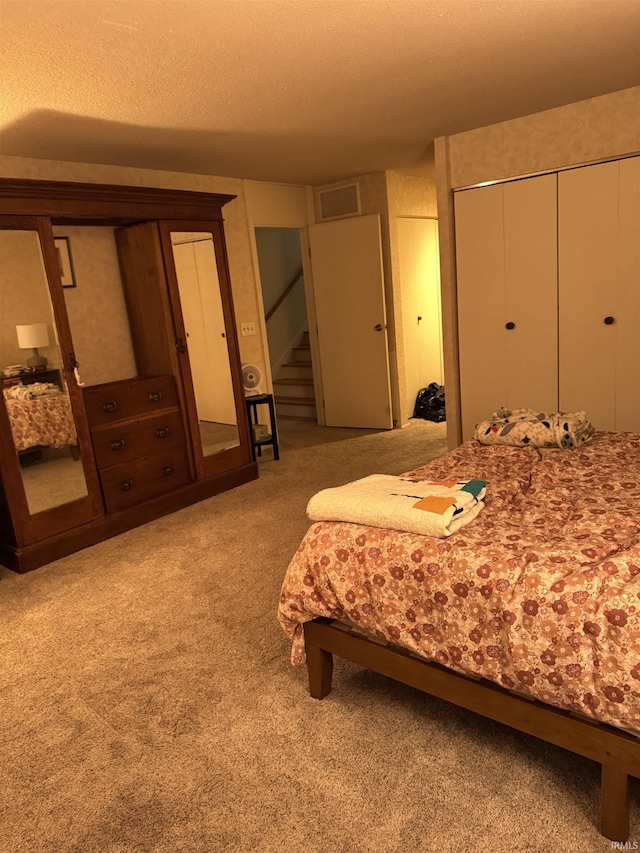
506	255
599	245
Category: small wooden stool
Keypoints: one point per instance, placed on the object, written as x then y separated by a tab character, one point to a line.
252	412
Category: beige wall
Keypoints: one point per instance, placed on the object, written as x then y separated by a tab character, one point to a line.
237	231
96	307
600	128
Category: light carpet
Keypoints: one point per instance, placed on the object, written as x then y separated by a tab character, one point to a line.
148	703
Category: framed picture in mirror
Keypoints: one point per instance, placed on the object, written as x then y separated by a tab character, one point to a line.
65	261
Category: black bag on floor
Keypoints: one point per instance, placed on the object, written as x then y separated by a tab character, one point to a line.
430	404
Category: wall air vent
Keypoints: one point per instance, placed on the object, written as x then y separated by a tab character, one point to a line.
341	201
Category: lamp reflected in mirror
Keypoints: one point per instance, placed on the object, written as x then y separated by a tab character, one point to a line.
31	337
35	396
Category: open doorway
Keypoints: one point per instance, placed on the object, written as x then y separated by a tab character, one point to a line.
286	318
421	304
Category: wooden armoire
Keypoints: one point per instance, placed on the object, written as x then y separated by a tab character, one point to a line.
146	349
548	289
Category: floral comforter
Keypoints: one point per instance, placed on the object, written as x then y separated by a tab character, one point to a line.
540	593
43	421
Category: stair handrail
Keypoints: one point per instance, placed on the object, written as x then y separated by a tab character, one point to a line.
283	295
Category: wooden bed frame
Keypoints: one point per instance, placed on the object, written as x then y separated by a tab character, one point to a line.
617	751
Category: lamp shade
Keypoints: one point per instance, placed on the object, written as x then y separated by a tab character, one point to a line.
32	336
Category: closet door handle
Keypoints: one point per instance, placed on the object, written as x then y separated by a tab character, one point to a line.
162	432
168	470
117	444
155	396
126	485
510	325
110	406
377	327
609	321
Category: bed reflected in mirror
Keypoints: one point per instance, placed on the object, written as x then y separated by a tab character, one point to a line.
201	303
34	394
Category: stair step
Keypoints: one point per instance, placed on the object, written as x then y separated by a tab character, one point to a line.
295	407
294	401
301	354
295	380
293	370
294	388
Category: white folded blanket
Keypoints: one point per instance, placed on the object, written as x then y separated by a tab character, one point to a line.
427	507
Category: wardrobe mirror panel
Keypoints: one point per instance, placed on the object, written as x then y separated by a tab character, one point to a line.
95	302
201	304
34	390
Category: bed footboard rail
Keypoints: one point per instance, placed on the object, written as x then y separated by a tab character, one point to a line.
617	751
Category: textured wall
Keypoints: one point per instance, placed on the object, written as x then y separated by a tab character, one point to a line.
596	129
96	306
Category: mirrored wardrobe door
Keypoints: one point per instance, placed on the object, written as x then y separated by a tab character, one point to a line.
36	394
206	340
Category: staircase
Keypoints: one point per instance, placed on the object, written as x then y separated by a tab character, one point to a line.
293	390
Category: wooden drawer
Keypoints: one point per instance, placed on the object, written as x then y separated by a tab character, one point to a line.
117	443
146	477
130	398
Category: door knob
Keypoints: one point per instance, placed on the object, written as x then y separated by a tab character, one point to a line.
609	321
510	325
377	327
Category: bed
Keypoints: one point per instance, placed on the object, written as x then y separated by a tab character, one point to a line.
45	421
530	614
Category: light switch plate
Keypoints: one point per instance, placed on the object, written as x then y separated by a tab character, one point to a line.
248	329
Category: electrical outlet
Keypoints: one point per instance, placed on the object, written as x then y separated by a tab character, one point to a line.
248	329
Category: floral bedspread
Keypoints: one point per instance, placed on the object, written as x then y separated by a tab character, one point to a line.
540	593
43	421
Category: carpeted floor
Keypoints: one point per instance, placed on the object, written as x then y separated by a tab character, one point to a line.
148	703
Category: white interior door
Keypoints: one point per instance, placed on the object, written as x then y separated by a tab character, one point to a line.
421	309
348	283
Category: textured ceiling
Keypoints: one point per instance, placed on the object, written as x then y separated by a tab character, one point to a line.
299	91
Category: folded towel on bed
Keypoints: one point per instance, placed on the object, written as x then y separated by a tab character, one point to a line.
522	427
431	508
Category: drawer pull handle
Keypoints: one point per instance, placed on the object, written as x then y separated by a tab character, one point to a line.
510	325
126	485
168	470
155	396
117	444
110	406
162	432
609	321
